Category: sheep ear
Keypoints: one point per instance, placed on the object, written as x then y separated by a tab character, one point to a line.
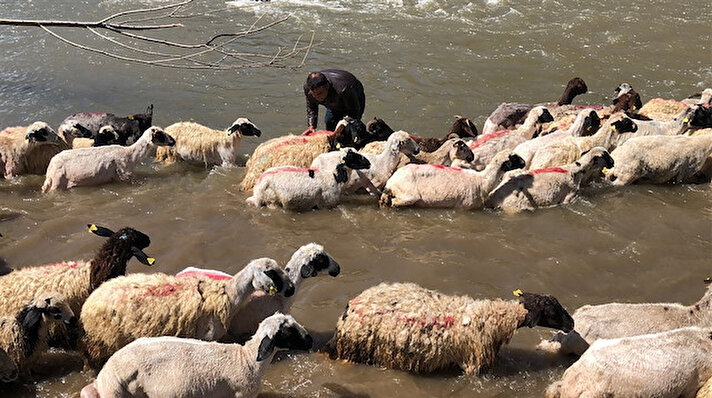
265	350
142	257
101	231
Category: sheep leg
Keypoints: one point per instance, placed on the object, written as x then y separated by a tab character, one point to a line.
366	183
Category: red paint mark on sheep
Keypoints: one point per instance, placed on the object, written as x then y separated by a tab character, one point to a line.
214	275
441	167
286	170
162	290
308	133
548	170
483	139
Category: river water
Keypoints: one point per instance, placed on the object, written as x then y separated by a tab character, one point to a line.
421	62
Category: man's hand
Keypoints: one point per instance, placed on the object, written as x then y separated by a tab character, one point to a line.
310	130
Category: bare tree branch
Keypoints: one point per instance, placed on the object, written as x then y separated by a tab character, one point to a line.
121	43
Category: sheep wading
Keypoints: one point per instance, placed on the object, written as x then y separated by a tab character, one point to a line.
404	326
28	149
149	305
128	128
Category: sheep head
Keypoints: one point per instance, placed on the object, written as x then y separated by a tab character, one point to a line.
107	135
461	151
624	125
462	127
41	132
143	120
55	307
245	127
400	141
268	277
573	88
379	129
74	129
622	89
510	162
281	331
701	117
160	137
310	260
544	310
110	261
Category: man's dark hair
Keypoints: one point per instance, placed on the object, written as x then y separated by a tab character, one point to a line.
316	79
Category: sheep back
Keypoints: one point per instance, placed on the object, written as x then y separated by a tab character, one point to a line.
404	326
199	144
662	109
289	150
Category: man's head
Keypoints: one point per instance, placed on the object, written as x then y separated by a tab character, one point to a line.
318	86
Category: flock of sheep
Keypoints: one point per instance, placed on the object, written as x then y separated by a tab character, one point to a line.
206	333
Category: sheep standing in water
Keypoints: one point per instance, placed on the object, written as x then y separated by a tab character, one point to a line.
188	368
128	129
100	165
28	150
404	326
199	144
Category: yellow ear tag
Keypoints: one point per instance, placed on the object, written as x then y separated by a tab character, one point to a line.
606	170
355	139
517	292
151	260
634	108
27	141
613	127
272	290
338	146
92	228
131	117
685	120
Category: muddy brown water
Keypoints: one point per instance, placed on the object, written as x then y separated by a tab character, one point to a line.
421	62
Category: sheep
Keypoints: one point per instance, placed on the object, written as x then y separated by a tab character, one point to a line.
706	390
23	336
488	145
74	280
662	109
300	151
128	128
586	121
199	144
407	327
8	369
627	99
548	187
614	320
176	367
303	189
150	305
100	165
382	165
660	159
703	98
670	364
28	150
441	186
308	261
462	127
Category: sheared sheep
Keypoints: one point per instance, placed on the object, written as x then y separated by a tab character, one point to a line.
614	320
404	326
149	305
28	150
673	364
448	187
300	151
74	280
8	369
175	367
128	128
303	189
199	144
100	165
548	187
23	336
488	145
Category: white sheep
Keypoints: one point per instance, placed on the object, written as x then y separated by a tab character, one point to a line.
188	368
448	187
672	364
99	165
200	144
404	326
149	305
28	149
302	189
488	145
382	165
614	320
548	187
23	336
660	159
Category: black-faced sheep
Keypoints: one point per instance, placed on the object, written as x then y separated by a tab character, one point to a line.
175	367
462	127
530	190
23	336
150	305
128	128
28	149
100	165
404	326
300	151
673	364
199	144
303	189
448	187
74	280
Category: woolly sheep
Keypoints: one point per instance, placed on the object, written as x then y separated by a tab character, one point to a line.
100	165
672	364
548	187
28	150
488	145
302	189
199	144
614	320
128	129
176	367
404	326
300	151
74	280
441	186
661	109
149	305
382	165
706	390
23	336
660	159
